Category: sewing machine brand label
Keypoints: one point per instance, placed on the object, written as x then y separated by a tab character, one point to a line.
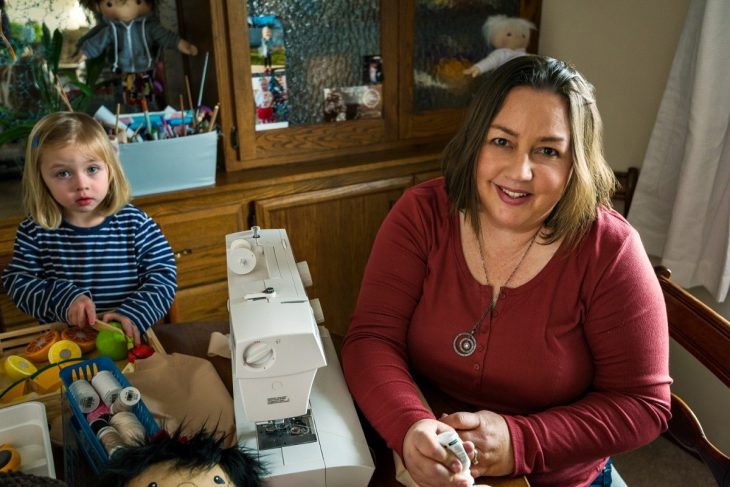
277	400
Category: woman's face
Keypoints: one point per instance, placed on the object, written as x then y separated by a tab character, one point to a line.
525	162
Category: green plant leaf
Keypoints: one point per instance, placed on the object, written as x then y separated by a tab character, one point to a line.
54	56
19	131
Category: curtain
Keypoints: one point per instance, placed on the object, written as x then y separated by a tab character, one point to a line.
681	205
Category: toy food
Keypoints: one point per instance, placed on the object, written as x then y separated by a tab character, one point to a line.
63	350
37	349
112	344
140	351
85	338
17	367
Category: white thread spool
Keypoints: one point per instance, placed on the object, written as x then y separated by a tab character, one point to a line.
240	258
84	395
129	428
107	386
128	397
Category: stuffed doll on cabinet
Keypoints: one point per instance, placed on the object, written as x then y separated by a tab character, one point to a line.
132	31
508	35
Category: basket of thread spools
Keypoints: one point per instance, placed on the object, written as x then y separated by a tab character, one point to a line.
108	413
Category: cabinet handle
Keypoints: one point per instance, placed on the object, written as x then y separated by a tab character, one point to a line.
182	253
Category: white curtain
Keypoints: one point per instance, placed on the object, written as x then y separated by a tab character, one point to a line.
681	206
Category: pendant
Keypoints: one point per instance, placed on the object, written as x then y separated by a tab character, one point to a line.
465	344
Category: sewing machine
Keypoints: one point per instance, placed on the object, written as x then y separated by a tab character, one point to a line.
290	398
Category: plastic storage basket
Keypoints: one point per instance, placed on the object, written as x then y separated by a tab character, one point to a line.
88	442
24	427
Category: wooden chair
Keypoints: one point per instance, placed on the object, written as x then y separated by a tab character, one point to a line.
627	184
706	335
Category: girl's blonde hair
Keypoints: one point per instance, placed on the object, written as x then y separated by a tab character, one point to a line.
58	130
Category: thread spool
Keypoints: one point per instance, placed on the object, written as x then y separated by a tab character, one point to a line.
128	397
98	424
129	428
84	395
101	411
110	439
107	386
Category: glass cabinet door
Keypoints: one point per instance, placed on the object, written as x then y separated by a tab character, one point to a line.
444	38
323	52
309	77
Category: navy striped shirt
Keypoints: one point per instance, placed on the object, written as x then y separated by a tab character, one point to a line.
124	264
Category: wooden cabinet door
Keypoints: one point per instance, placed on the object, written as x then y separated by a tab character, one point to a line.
244	147
198	240
333	230
208	302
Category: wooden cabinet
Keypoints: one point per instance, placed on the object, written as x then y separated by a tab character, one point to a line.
404	28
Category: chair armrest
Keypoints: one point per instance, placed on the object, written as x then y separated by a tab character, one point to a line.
686	430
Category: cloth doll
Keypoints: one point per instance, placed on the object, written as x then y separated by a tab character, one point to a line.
508	35
132	31
173	460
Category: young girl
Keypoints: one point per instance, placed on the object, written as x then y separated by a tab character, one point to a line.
84	249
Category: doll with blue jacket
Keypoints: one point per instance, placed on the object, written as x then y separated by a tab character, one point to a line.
131	30
509	36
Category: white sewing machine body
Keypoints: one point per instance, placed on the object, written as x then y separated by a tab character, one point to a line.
291	401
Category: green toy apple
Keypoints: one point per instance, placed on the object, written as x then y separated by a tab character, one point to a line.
112	344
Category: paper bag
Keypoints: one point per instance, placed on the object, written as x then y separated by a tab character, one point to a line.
182	389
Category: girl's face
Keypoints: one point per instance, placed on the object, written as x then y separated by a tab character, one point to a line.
525	162
124	10
78	181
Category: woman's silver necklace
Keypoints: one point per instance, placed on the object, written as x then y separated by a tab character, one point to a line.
465	343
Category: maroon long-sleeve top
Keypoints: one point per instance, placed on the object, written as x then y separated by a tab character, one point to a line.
576	359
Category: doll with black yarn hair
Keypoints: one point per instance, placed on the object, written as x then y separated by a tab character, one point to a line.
170	460
131	30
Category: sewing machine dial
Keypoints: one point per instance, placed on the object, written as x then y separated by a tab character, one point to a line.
240	257
259	355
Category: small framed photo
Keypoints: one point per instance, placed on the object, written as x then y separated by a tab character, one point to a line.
352	103
266	38
372	72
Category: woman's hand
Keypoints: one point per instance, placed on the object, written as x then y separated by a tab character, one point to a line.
489	433
82	312
429	463
130	329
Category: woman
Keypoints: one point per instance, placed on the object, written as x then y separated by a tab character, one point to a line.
511	287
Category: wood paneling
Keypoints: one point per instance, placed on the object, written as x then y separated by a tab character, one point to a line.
333	230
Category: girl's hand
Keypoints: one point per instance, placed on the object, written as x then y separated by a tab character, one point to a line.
82	312
130	329
428	463
489	433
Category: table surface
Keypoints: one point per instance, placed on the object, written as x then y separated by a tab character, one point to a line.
193	338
